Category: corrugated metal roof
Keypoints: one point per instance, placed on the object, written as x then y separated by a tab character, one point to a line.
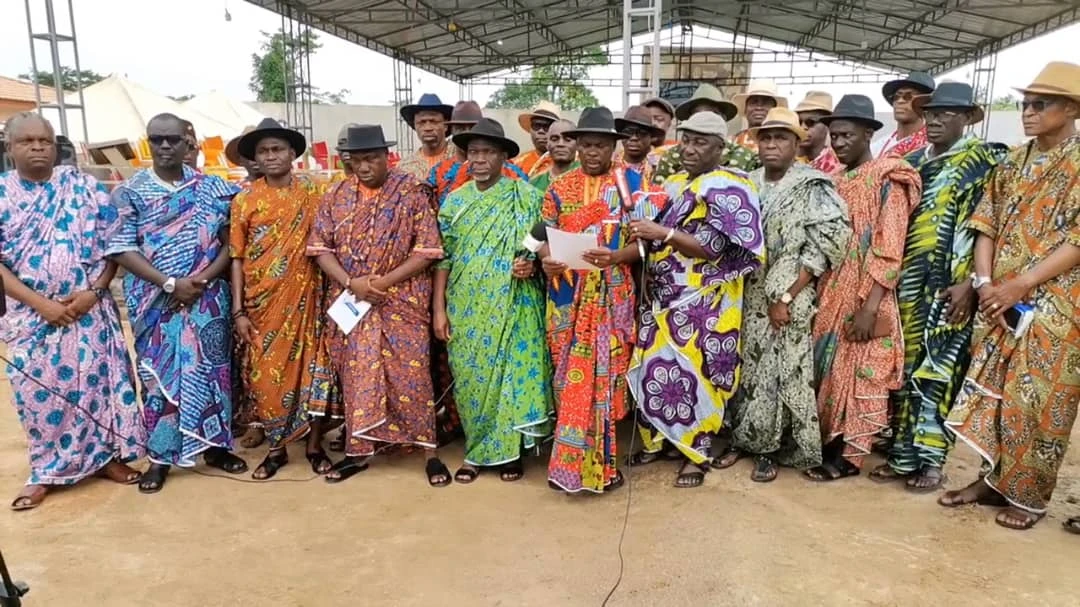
460	39
12	89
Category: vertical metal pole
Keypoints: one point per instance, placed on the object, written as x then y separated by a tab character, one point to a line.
33	57
627	42
654	71
78	69
58	69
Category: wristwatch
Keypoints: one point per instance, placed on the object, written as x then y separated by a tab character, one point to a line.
102	293
978	282
786	298
169	286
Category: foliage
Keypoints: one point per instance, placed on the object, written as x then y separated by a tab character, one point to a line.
70	78
269	69
558	79
1008	102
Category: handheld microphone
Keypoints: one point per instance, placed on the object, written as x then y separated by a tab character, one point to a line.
536	238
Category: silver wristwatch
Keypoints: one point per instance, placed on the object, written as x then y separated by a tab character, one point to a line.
978	282
786	298
169	286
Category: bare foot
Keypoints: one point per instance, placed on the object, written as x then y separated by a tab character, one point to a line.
885	474
1015	518
253	438
977	492
30	497
930	478
118	472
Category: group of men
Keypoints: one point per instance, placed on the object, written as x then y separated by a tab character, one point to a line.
793	292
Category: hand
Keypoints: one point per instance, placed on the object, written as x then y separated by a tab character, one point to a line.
552	268
960	302
56	313
648	230
245	330
995	299
441	323
779	315
522	268
80	302
364	290
862	327
188	290
601	258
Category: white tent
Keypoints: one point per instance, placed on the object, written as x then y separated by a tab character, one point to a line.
225	109
117	108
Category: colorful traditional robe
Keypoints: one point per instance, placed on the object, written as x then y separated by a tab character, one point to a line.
53	237
183	354
451	174
747	139
826	161
854	378
288	374
1019	400
938	255
543	180
806	227
734	156
383	364
419	165
686	363
498	355
532	162
895	146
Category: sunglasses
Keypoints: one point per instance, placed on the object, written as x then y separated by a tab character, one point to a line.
634	133
1039	105
172	139
809	123
905	96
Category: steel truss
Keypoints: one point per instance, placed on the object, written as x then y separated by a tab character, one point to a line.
55	39
296	31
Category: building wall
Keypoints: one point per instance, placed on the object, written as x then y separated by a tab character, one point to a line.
10	107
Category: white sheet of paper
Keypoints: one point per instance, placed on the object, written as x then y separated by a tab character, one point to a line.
346	312
569	248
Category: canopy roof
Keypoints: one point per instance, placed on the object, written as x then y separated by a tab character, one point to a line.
461	39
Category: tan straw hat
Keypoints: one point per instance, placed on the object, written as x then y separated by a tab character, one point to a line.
706	93
705	123
759	88
545	109
1059	79
781	118
815	101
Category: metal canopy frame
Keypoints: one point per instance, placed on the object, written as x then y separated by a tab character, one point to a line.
465	39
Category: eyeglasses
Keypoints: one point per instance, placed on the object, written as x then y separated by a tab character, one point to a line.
1038	105
940	115
809	123
905	96
172	139
633	133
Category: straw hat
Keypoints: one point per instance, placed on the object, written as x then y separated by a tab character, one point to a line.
781	118
231	150
815	101
1059	79
707	93
759	88
705	123
545	110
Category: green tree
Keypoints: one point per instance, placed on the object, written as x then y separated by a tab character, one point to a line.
1006	103
70	78
558	79
269	68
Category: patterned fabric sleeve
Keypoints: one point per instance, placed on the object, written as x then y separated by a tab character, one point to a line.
828	229
321	239
985	218
732	226
126	236
238	225
549	211
886	251
106	217
446	212
427	243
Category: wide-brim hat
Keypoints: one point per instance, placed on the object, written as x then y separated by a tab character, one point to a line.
596	121
270	128
759	88
781	118
858	108
707	93
231	152
428	102
466	113
364	138
950	95
545	110
920	81
705	123
1057	79
638	116
661	103
815	101
490	130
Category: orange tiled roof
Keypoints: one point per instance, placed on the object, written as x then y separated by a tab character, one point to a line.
20	90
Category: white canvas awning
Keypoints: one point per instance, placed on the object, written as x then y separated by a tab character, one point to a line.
225	109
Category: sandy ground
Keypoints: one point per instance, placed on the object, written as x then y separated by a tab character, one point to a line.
385	538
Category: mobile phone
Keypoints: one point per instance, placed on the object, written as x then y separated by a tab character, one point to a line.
1018	318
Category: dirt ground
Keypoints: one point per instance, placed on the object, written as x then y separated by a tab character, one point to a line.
385	538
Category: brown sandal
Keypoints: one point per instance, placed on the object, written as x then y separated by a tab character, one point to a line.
30	497
119	472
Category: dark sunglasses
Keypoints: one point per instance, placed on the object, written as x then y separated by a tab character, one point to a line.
633	133
810	123
905	96
172	139
1039	105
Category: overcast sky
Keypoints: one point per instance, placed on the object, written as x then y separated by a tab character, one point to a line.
191	50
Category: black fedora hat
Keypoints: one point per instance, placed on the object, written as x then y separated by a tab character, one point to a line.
363	138
596	121
270	128
920	81
489	130
428	102
954	95
858	108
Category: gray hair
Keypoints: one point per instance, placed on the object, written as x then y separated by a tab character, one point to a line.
16	121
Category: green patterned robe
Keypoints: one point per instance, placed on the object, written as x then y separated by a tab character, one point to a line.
498	348
937	255
734	156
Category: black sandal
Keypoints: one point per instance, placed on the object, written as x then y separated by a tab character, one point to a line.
765	470
694	478
274	461
727	459
153	480
221	459
1072	525
832	471
318	461
435	467
346	469
616	482
466	475
512	471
